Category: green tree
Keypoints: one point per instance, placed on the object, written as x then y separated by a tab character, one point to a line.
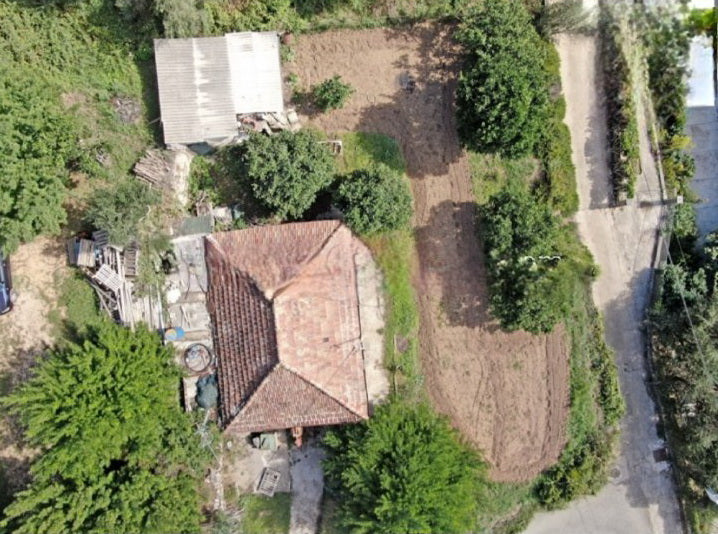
374	200
118	208
117	454
331	93
286	171
39	143
503	94
403	470
530	276
182	18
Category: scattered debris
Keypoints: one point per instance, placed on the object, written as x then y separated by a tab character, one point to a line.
166	170
335	145
269	122
128	110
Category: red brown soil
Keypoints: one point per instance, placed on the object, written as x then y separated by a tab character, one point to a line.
507	393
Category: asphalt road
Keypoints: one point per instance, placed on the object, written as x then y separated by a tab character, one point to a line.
640	496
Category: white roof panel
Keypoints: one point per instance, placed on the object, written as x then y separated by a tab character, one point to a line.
256	72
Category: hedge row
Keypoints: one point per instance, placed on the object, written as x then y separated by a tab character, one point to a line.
622	122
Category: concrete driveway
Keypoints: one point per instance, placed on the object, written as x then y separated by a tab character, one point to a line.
640	498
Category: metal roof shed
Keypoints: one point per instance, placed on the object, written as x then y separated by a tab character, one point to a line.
205	82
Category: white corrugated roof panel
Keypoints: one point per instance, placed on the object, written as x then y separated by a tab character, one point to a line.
256	72
205	82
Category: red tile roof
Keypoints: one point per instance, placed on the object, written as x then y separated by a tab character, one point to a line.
285	314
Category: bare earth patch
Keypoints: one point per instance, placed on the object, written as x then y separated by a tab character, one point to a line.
507	393
26	333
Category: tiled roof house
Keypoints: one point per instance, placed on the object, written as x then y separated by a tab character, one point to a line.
285	311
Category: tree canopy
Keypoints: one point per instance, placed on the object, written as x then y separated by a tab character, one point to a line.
286	171
502	96
117	454
403	470
374	200
532	266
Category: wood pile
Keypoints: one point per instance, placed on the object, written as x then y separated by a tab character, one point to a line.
154	169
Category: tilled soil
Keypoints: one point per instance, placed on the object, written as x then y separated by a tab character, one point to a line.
507	393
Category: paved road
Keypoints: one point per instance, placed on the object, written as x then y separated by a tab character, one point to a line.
639	497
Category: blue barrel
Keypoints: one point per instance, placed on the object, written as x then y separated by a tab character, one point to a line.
174	334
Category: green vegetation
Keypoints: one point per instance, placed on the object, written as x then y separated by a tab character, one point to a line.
503	96
532	265
566	16
119	208
374	200
117	452
81	312
666	39
403	470
286	171
685	356
703	21
621	107
395	254
263	514
331	93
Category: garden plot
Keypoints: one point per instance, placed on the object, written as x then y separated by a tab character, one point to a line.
507	393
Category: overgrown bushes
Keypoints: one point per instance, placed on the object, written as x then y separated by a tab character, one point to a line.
685	356
667	41
531	270
502	97
621	108
118	209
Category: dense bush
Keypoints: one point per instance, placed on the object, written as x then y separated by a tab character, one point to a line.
621	108
116	452
554	151
39	144
667	40
530	277
331	93
286	171
374	200
403	470
117	209
566	16
502	96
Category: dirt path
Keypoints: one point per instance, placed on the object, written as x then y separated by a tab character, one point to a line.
26	332
507	393
640	494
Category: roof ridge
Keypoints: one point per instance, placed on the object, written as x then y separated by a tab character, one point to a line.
253	395
279	290
315	386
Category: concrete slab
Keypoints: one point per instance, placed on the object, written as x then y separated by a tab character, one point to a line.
243	465
307	487
702	127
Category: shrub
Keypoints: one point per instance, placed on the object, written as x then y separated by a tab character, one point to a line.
502	96
182	18
374	200
331	93
566	16
286	171
117	209
39	144
529	285
621	107
116	452
403	470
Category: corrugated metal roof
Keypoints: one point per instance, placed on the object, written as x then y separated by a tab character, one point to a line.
204	82
256	72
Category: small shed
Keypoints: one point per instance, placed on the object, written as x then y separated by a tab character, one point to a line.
205	82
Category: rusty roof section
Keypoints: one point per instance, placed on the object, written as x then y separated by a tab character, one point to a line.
284	304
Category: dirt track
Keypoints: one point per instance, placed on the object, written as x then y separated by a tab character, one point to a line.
507	393
26	332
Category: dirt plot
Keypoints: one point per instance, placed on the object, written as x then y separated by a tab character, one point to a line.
26	332
507	393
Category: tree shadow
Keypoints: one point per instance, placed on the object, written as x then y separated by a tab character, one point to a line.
646	484
450	249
